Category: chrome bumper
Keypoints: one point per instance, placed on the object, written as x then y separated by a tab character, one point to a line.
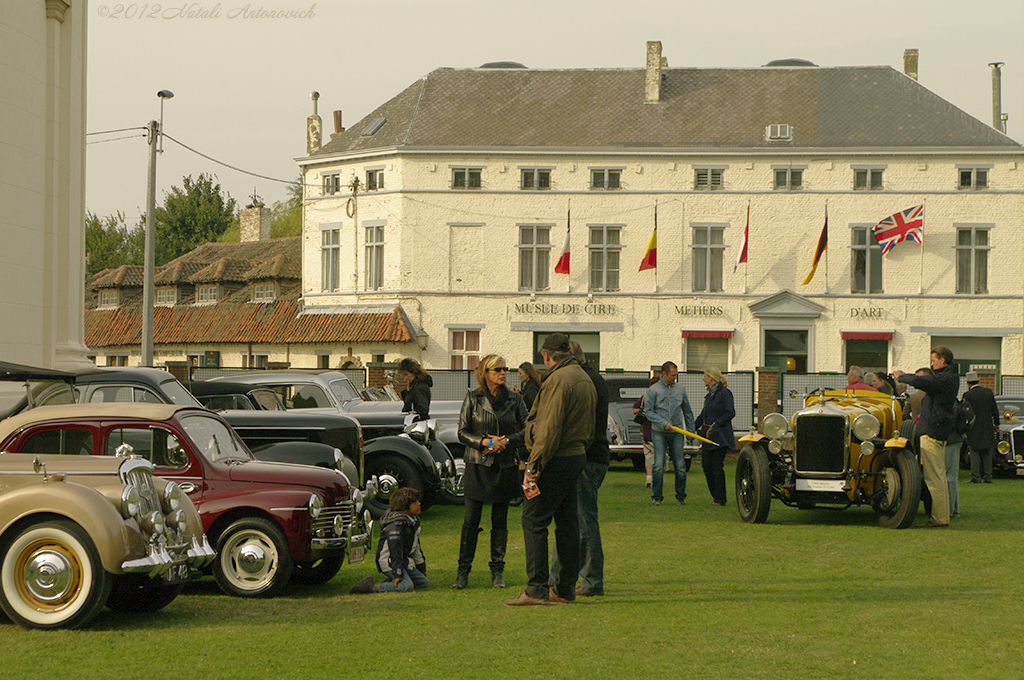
158	560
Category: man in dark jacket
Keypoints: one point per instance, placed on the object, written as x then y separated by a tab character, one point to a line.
981	438
558	431
936	424
590	480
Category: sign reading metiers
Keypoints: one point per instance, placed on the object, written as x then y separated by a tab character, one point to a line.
602	309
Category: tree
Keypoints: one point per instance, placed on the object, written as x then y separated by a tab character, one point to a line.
192	216
110	243
286	216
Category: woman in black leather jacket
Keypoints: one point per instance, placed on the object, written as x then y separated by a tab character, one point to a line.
491	428
416	396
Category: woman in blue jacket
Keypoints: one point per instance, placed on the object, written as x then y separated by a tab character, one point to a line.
715	423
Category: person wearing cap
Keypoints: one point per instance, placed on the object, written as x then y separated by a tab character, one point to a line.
667	406
559	429
981	438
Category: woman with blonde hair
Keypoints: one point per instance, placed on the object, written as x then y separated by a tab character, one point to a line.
491	429
715	423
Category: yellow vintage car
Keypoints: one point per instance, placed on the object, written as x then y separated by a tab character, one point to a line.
842	448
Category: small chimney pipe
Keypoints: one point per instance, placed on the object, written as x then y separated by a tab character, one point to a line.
997	96
337	123
910	63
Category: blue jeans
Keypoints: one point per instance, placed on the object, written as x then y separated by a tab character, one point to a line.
662	441
411	578
591	552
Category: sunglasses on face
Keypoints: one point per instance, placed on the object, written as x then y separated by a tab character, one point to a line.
499	369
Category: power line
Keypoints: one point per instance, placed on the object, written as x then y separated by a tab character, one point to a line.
107	132
114	139
226	165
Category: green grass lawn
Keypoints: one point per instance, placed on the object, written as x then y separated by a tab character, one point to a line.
692	592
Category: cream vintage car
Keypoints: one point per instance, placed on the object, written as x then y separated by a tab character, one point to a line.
78	533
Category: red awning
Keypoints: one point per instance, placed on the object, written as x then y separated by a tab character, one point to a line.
708	334
867	335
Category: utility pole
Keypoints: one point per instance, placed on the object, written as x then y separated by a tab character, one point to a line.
149	261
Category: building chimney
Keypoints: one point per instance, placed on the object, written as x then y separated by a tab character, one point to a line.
910	63
997	97
338	127
254	221
652	81
314	129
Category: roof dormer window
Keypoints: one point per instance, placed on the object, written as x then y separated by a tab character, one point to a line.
778	133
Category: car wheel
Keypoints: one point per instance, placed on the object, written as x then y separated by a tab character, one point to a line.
139	593
753	484
901	480
253	559
317	572
393	472
52	577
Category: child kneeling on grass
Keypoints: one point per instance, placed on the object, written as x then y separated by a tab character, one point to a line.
399	556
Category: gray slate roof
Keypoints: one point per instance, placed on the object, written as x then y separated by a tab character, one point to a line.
847	107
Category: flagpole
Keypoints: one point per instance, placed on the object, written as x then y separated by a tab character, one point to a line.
920	280
568	236
826	248
655	231
746	243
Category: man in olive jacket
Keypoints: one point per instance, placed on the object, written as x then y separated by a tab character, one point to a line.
558	431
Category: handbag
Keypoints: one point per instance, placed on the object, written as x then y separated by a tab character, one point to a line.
705	431
640	417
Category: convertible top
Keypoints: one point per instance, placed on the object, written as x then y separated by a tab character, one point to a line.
9	371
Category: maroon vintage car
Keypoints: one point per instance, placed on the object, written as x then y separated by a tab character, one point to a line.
271	523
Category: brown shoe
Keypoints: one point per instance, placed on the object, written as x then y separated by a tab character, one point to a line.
555	598
362	586
587	592
932	524
523	599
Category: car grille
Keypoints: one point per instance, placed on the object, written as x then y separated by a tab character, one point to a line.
323	526
821	442
1017	445
634	433
142	479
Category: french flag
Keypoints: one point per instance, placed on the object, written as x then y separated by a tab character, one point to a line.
562	266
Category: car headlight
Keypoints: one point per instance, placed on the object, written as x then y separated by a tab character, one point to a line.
130	502
178	521
775	446
1004	447
315	506
867	448
171	500
774	425
339	525
866	426
153	524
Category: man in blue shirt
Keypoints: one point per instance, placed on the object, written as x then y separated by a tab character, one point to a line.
666	405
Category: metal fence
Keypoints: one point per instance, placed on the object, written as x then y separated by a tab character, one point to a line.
743	395
1013	386
357	376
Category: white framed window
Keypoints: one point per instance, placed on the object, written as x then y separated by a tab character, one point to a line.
255	360
374	255
263	292
330	257
708	178
534	256
464	348
206	294
972	247
972	178
332	184
788	179
117	360
867	179
109	297
704	352
606	178
708	248
374	179
537	179
466	178
778	133
605	248
166	295
866	261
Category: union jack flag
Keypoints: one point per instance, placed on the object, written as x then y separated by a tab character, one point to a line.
906	224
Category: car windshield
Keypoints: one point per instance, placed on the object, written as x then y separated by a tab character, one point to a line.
344	391
177	393
213	439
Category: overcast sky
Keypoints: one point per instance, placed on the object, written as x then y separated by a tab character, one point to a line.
242	83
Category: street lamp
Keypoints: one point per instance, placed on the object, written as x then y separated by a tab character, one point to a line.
163	94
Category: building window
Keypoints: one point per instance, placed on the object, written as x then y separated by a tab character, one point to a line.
605	248
704	352
867	178
466	178
263	292
534	257
254	360
866	265
332	184
605	178
375	257
206	294
108	297
117	360
707	179
973	178
972	246
789	179
374	180
166	295
535	178
323	361
330	260
465	349
708	254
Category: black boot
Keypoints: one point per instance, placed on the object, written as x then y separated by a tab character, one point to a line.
499	539
467	549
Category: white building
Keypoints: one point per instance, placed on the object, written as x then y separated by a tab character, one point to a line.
453	199
42	182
